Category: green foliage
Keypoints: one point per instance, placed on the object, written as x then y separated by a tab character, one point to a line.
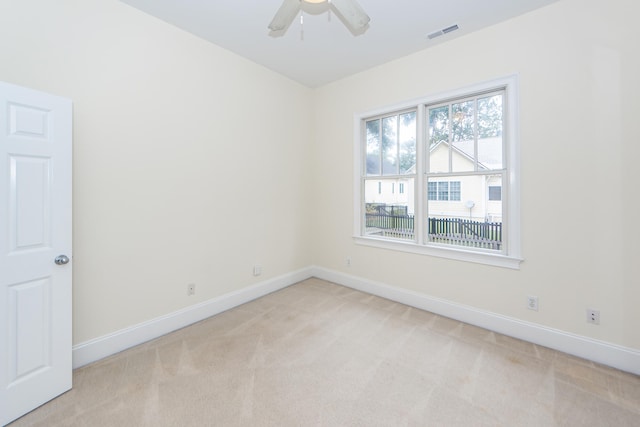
490	117
459	121
391	144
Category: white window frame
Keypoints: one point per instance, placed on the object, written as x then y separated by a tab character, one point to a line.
511	257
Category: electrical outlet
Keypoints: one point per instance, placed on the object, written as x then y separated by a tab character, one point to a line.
257	270
191	289
532	303
593	316
348	262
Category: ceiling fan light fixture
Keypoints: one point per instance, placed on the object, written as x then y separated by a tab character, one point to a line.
349	11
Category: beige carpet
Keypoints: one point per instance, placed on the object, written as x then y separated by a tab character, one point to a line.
318	354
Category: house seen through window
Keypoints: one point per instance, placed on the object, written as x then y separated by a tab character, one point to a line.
451	176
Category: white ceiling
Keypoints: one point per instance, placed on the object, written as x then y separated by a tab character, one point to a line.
329	51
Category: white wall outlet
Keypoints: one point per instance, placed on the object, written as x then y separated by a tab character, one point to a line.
532	303
191	289
348	261
593	316
257	270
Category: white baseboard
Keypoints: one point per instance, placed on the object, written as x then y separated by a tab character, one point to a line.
609	354
101	347
625	359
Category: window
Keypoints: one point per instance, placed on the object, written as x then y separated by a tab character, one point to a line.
443	190
453	157
454	190
495	192
432	191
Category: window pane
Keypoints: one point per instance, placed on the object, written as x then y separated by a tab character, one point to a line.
387	213
438	125
468	218
439	139
373	147
490	116
390	145
462	137
490	153
495	193
490	132
432	191
443	190
408	143
494	198
462	122
454	190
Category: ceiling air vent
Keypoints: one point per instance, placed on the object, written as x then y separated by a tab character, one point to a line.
442	32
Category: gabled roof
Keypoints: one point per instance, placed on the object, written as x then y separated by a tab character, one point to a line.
489	156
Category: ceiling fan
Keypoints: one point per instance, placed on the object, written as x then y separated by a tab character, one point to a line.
349	12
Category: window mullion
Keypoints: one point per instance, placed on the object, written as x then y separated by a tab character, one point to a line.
421	164
450	137
381	145
475	134
398	144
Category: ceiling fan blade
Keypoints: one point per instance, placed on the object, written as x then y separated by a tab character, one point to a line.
285	15
352	14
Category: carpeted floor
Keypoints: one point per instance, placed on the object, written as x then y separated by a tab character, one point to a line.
318	354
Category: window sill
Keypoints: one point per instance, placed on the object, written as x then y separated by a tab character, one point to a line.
485	258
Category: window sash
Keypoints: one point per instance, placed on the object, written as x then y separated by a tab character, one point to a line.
450	131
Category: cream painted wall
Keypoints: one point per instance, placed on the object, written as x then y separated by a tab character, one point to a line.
190	163
578	67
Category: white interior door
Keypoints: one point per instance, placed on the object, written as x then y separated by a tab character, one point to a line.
35	229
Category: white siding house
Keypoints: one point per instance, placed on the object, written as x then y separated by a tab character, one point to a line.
466	196
475	197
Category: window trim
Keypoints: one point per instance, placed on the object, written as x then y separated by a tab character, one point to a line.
511	184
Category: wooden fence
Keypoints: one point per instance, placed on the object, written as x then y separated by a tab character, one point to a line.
386	222
455	231
465	232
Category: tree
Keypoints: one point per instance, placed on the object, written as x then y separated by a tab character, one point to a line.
490	117
391	144
458	121
373	147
